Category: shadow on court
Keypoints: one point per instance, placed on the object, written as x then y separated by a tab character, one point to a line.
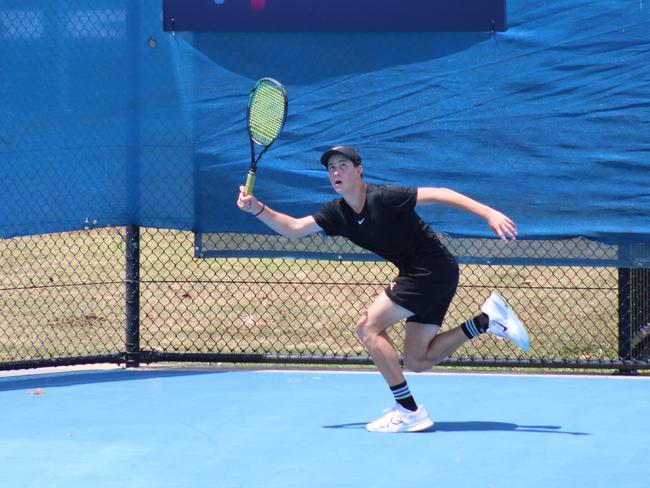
475	426
92	377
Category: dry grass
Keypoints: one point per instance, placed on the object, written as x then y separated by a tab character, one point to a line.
64	295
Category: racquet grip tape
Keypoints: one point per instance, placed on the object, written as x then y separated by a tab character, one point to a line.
250	181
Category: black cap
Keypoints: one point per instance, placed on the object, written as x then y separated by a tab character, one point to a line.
345	151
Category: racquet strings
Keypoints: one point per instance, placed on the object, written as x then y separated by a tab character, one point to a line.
267	113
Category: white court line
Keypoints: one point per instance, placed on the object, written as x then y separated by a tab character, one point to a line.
465	373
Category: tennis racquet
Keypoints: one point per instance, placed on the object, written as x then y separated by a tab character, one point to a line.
267	112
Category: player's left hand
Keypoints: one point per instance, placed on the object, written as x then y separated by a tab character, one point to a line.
501	225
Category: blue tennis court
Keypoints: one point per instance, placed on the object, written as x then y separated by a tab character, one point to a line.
124	138
201	427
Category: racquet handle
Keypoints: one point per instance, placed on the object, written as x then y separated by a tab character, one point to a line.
250	181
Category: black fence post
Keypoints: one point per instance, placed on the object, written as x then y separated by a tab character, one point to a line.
132	295
634	313
132	280
624	313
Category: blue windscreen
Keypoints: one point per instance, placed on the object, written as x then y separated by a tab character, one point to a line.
108	120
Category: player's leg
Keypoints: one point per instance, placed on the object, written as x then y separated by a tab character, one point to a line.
424	346
372	331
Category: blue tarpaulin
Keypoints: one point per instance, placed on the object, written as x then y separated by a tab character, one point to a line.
108	120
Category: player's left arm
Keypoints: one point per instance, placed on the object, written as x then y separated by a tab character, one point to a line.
500	224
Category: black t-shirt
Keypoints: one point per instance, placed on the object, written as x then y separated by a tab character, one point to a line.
388	226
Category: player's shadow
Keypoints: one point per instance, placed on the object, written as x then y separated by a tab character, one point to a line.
476	426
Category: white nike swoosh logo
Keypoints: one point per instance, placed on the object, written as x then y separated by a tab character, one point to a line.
361	221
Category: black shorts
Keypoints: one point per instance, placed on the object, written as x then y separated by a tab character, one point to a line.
426	288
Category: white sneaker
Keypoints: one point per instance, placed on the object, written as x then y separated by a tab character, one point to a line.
504	322
399	419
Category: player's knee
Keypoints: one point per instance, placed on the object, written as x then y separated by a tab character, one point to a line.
416	364
364	330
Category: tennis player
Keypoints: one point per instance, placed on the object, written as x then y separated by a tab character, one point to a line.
383	220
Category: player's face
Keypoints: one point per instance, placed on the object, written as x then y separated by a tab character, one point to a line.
343	173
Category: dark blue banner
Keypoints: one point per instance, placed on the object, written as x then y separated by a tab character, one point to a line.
334	15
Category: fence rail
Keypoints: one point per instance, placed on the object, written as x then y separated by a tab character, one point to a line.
132	296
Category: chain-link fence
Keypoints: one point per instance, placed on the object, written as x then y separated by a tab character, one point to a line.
68	298
99	72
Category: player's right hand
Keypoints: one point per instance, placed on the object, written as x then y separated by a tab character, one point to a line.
248	203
